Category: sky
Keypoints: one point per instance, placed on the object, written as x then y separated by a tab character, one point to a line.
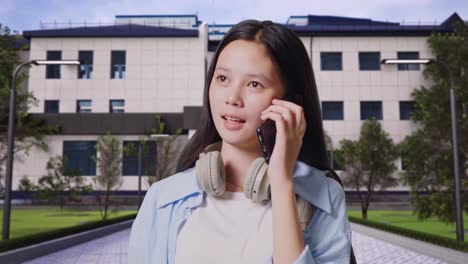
28	14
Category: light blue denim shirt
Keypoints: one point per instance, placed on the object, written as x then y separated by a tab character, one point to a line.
169	202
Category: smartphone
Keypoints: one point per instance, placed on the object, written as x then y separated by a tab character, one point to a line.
266	134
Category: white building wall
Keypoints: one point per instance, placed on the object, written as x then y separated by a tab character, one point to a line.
34	164
166	74
162	74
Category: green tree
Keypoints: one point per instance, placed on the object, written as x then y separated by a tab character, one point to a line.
26	186
30	132
61	185
109	178
427	152
368	162
167	149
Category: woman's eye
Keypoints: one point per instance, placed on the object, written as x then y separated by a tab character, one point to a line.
256	84
221	78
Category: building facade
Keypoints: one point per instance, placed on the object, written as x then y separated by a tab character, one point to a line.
148	65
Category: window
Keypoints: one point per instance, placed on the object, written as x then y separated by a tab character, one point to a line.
53	71
116	106
85	71
371	109
130	158
51	106
79	156
118	64
330	61
83	106
406	108
369	61
408	55
332	110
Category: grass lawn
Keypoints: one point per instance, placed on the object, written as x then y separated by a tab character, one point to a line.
29	221
406	219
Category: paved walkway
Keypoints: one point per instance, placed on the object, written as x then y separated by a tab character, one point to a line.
388	248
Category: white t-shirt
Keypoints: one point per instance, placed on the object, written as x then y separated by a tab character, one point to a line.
226	229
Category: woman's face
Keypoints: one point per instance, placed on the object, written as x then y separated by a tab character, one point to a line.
244	83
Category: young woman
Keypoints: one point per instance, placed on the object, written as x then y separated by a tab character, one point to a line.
224	205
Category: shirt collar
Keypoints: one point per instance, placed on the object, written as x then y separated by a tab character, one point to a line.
309	183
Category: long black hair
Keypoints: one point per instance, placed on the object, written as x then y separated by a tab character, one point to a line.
287	51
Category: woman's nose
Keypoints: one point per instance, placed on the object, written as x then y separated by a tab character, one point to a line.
234	98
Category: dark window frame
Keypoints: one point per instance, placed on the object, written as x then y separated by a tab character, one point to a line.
328	60
78	106
118	61
79	156
406	108
408	55
130	160
328	111
85	69
53	71
48	108
111	106
367	62
376	105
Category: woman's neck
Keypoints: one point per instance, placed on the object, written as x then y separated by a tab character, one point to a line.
236	163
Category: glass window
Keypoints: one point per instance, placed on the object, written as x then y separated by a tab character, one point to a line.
53	71
85	71
408	55
369	61
330	61
130	158
51	106
117	106
332	110
79	156
406	108
83	106
118	64
371	109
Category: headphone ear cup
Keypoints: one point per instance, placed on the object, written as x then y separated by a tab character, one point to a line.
209	169
304	210
256	184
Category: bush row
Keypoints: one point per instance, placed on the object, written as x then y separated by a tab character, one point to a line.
426	237
6	245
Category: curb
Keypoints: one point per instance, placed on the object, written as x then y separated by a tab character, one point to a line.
38	250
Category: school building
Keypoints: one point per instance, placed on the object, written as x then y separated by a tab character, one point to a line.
141	66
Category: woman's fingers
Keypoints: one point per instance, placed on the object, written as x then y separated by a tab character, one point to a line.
285	112
279	121
292	113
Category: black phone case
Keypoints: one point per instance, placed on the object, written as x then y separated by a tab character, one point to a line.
266	134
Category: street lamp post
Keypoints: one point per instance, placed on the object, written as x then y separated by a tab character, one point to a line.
453	112
11	139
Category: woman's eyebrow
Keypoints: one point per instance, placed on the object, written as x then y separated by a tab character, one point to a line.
257	75
261	76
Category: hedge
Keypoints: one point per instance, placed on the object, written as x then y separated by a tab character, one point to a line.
426	237
15	243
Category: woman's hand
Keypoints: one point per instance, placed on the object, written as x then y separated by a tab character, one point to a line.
290	128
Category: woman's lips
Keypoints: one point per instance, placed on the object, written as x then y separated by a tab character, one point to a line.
233	123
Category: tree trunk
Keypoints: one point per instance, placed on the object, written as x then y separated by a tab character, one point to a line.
106	204
364	212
